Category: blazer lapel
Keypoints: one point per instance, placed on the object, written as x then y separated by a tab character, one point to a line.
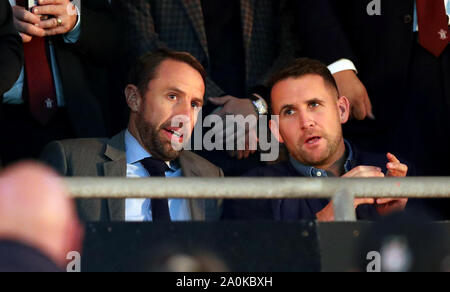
116	167
195	12
247	15
198	207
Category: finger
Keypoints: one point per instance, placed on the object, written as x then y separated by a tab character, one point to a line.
354	172
253	141
372	174
55	31
365	201
400	167
397	174
50	2
219	100
56	10
26	38
29	29
369	107
367	168
367	174
392	158
50	23
23	15
358	109
385	201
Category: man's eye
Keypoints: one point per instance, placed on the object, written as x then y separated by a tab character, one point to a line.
172	96
289	112
196	105
314	105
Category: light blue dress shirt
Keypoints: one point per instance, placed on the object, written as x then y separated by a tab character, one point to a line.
14	95
139	210
309	171
416	23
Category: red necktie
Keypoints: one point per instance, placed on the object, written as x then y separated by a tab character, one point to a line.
40	84
41	87
434	34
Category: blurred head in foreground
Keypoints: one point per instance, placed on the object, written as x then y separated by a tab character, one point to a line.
35	210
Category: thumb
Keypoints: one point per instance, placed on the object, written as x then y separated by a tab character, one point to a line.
219	100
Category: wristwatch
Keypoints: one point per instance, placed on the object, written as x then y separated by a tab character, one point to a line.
260	104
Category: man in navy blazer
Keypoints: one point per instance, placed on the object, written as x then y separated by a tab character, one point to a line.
309	117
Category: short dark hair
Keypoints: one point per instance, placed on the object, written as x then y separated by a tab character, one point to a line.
145	68
301	67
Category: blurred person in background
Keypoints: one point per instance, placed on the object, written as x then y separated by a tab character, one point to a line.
38	223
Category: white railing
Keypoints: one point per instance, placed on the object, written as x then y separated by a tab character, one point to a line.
342	191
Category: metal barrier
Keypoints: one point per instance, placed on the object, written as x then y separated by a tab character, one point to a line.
342	191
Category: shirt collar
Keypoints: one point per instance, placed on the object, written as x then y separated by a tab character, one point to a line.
136	153
309	171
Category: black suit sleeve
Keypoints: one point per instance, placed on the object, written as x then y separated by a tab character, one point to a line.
16	257
11	52
54	156
102	32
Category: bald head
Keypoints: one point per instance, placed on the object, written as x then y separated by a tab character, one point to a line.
35	209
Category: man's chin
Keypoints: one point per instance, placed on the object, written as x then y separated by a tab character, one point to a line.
171	154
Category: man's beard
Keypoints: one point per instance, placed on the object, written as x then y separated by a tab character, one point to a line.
153	142
331	148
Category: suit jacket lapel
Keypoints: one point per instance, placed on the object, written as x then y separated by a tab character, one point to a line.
116	167
198	207
195	12
247	15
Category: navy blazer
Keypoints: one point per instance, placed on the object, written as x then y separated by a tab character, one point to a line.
296	209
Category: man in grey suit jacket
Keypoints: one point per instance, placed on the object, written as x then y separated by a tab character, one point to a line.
164	86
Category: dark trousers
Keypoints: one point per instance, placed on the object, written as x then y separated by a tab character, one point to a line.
25	138
423	134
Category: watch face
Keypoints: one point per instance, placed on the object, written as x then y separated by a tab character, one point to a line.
261	107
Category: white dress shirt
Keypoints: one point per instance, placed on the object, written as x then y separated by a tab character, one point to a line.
139	210
345	64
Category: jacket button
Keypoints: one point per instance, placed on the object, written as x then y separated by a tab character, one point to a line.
408	19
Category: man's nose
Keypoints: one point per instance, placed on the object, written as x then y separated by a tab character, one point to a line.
183	114
306	121
184	109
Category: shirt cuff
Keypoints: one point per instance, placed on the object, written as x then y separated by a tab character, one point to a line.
342	65
74	35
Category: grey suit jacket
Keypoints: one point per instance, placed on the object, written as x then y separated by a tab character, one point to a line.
107	158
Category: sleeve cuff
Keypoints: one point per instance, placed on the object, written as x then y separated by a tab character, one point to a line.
342	65
74	35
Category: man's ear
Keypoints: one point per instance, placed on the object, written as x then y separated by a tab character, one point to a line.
275	129
344	109
134	98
